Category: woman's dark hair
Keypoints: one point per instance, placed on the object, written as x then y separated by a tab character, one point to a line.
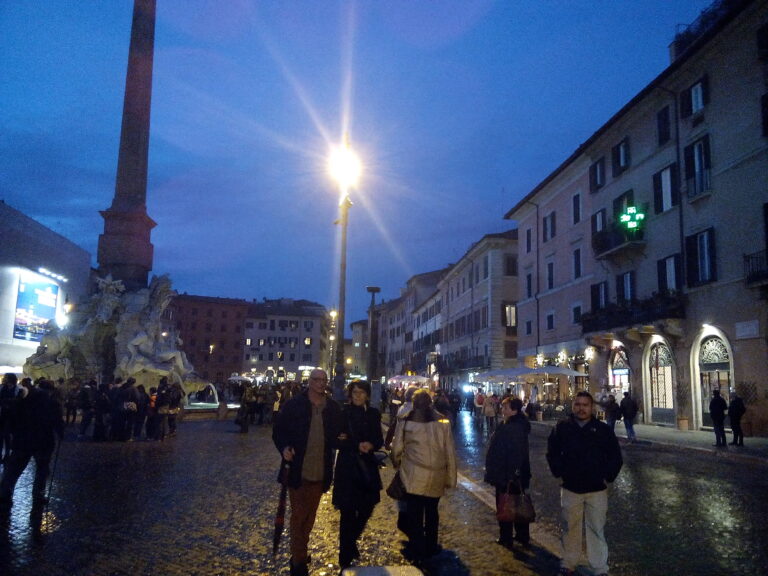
423	410
362	384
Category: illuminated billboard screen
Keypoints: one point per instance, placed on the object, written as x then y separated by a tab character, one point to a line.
35	306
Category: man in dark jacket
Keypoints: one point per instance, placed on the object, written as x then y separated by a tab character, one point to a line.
736	410
306	434
584	452
629	409
37	420
717	410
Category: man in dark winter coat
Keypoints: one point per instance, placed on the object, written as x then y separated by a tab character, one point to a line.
736	410
584	452
717	410
628	408
508	460
306	434
37	420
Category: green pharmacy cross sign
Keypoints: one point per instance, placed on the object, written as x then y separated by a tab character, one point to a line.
632	219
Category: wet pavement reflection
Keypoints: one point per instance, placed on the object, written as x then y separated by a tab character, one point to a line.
203	503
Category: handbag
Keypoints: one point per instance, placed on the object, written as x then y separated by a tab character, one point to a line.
396	488
515	507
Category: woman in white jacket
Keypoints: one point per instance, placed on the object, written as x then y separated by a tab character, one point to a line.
423	452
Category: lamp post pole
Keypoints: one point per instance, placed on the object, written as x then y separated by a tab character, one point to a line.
345	167
339	380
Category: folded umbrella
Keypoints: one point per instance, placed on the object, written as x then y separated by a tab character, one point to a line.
280	515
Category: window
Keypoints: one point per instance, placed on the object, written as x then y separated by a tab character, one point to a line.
665	190
576	208
529	285
550	275
550	320
697	167
307	341
576	314
700	257
308	325
247	341
510	315
486	259
597	175
598	221
621	204
695	98
510	349
625	286
528	327
528	247
599	293
620	157
663	126
249	324
549	229
669	273
510	268
577	263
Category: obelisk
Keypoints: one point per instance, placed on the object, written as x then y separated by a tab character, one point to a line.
125	250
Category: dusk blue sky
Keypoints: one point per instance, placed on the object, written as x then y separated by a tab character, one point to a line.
457	109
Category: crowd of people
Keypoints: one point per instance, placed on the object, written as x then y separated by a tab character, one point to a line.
581	450
324	444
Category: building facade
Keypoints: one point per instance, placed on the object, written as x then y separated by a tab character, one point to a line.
285	339
659	286
478	297
41	272
211	332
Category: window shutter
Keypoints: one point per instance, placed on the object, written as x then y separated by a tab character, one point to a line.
691	260
552	232
631	295
705	89
661	272
593	178
678	272
707	162
690	167
595	295
712	254
686	106
674	181
594	223
658	202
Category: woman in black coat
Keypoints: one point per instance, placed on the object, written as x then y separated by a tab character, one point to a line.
507	460
357	482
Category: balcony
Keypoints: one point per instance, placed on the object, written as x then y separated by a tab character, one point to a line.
658	307
756	269
474	363
616	240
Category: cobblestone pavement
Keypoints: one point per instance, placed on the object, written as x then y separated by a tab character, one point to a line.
202	503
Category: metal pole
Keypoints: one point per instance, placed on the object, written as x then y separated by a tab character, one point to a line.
339	380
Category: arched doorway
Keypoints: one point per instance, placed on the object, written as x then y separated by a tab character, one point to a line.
714	363
661	383
619	373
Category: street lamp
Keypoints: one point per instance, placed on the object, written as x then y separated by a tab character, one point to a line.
345	168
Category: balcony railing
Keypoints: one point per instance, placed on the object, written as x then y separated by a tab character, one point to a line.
660	306
616	239
756	267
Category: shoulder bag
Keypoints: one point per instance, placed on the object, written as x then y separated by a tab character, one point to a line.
515	505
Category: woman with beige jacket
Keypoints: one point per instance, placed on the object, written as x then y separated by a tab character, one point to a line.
424	454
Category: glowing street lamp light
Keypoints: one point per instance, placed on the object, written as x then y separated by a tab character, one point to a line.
345	168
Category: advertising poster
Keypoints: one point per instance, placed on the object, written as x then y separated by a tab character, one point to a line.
35	306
